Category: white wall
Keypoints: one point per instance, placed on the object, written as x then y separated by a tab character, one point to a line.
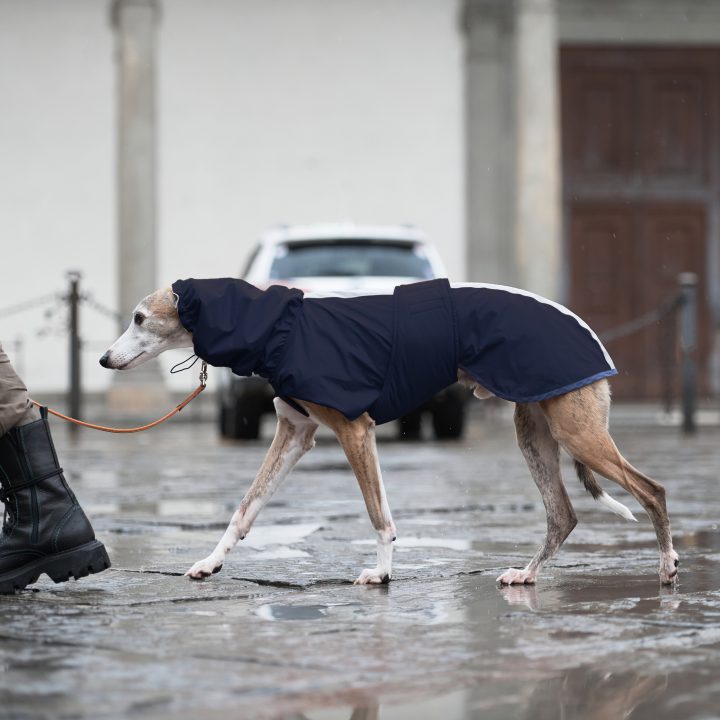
56	170
269	111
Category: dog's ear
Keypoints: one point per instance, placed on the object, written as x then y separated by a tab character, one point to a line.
170	300
162	303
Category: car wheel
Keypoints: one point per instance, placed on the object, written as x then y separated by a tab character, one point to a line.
411	426
239	423
449	419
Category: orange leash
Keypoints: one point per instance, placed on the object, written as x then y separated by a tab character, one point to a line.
186	401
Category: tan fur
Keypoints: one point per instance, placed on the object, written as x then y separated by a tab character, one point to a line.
578	421
357	439
161	304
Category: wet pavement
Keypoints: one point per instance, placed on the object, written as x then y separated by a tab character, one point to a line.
282	632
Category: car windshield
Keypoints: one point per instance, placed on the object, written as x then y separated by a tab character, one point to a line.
350	259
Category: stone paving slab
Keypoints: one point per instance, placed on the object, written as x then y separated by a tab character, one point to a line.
282	632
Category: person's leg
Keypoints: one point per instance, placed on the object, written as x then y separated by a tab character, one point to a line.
15	407
44	530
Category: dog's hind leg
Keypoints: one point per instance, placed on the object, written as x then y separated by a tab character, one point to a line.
542	455
578	421
357	438
294	436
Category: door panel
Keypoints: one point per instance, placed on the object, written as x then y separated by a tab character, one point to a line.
640	144
676	109
598	141
603	294
628	258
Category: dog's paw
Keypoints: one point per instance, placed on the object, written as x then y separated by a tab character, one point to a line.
376	576
514	576
203	568
669	562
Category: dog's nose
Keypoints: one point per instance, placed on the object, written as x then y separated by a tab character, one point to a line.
105	359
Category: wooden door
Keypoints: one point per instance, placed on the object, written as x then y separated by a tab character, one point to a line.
640	149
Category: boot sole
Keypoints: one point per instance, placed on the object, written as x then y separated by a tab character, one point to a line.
75	563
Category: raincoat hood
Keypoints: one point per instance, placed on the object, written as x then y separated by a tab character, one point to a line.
234	324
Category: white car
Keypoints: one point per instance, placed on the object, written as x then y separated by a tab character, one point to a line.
337	259
343	258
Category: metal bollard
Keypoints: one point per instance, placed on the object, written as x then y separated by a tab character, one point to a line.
73	298
688	343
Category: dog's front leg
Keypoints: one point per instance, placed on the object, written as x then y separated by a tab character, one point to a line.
294	436
357	438
358	442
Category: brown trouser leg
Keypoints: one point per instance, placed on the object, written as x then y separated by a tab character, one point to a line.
15	407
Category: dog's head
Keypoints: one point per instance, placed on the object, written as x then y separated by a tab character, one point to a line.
154	328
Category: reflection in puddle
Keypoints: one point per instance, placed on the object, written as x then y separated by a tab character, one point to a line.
698	575
592	695
633	594
292	612
577	693
277	611
704	539
434	613
526	595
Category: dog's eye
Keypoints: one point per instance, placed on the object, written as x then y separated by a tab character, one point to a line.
138	319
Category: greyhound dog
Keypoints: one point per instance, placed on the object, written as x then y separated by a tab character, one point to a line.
276	332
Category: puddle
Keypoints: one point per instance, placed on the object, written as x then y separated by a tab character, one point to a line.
697	575
277	611
597	638
578	693
292	612
705	539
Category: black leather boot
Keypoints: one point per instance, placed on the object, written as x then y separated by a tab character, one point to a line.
45	529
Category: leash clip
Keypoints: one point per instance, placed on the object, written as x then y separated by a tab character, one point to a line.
203	374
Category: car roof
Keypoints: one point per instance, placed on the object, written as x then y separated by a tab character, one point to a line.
341	231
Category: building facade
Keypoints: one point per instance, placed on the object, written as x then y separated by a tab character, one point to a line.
566	146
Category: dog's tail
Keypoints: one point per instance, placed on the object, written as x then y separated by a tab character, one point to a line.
587	478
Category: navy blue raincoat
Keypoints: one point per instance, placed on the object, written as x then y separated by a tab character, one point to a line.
388	354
